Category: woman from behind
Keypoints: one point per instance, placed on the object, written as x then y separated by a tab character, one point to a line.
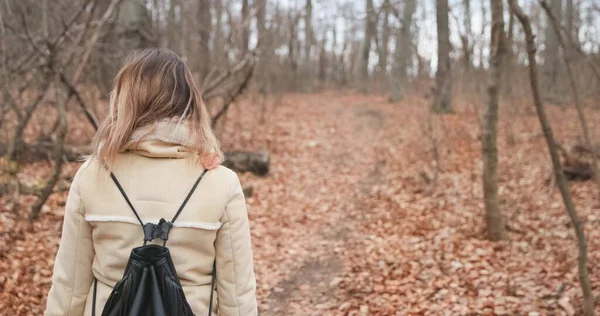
158	142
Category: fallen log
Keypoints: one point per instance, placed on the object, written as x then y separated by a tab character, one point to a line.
577	162
30	153
242	161
257	162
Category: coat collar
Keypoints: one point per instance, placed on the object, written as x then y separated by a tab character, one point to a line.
164	139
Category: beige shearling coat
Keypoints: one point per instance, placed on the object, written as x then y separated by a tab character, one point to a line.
100	230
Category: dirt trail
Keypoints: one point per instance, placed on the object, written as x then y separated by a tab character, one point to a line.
310	288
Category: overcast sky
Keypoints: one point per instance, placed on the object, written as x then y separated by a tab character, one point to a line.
348	18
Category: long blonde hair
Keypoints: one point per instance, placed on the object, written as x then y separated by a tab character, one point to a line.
154	85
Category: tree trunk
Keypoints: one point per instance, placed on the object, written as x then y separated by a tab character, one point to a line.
370	29
569	18
261	12
308	44
402	52
494	220
245	27
551	61
293	21
561	182
443	76
482	45
218	38
385	40
466	38
264	44
323	62
508	56
204	60
134	26
174	26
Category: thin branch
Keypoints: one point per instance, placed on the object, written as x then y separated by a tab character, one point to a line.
561	182
567	55
209	92
67	26
58	161
75	93
233	96
94	38
24	120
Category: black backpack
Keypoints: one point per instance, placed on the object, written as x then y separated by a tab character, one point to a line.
150	286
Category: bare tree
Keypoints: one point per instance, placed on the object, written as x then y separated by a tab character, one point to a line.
323	58
204	56
293	19
402	50
494	220
218	37
308	43
443	76
551	58
245	27
384	43
466	37
370	30
173	25
561	182
569	16
482	45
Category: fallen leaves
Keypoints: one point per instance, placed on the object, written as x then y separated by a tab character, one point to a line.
345	223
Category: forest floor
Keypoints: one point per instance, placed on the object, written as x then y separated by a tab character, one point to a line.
357	217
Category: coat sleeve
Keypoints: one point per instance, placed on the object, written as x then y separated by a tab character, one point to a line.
72	277
236	283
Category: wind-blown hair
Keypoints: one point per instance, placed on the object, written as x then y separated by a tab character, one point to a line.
152	86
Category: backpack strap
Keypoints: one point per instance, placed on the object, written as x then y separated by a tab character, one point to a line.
187	198
162	229
112	175
212	288
94	297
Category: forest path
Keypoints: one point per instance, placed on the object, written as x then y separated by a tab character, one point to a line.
346	143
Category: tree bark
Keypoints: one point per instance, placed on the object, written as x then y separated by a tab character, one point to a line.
551	61
308	44
466	38
494	220
569	18
218	38
443	76
370	29
261	13
402	52
292	45
173	26
264	45
385	40
482	43
323	59
245	27
204	57
561	182
508	56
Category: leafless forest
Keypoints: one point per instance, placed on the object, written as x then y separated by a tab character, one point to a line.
399	157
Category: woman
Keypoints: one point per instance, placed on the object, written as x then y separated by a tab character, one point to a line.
157	140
